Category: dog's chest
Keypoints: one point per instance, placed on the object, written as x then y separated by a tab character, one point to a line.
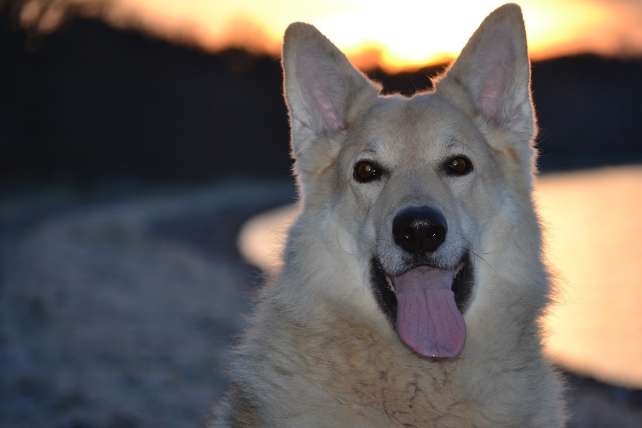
380	384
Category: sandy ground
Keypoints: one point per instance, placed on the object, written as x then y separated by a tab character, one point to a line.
120	311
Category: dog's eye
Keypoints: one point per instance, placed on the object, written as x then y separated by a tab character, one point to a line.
366	171
458	165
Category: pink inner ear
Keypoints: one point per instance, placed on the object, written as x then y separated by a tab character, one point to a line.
321	88
488	102
327	112
495	74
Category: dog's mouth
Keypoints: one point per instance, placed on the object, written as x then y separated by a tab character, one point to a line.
425	305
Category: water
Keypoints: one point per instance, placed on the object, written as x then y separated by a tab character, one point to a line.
593	237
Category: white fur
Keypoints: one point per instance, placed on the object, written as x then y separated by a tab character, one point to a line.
319	351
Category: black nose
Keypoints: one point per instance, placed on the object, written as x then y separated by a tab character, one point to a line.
419	230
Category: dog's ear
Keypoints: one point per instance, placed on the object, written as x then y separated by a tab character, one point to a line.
323	90
494	73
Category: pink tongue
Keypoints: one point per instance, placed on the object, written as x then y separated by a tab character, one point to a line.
428	320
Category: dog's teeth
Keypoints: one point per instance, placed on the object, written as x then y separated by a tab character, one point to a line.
390	285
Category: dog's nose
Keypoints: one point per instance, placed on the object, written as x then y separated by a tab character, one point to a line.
419	230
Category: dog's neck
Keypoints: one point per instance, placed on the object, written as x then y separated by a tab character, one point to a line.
354	362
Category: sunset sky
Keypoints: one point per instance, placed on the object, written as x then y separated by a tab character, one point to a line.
397	35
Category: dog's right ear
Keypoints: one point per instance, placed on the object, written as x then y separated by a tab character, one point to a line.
323	90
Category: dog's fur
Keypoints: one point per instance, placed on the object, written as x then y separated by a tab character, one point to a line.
319	351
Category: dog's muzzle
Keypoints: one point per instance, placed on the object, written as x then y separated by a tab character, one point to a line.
425	304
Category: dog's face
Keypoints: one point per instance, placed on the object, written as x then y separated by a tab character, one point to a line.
411	184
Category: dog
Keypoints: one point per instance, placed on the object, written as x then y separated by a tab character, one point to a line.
412	280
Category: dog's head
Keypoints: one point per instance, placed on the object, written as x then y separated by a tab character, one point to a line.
409	187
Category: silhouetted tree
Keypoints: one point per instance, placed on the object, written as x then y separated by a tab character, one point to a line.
47	15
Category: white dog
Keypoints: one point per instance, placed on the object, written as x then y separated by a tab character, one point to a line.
412	281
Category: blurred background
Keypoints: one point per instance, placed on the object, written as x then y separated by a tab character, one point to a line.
145	188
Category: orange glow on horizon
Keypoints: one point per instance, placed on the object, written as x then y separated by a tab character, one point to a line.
409	34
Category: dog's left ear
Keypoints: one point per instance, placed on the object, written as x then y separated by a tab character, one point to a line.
493	72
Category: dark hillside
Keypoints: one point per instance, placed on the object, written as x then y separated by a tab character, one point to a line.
90	102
